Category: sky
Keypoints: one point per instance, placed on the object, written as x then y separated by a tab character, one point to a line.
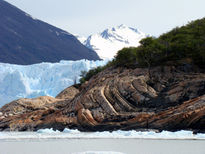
86	17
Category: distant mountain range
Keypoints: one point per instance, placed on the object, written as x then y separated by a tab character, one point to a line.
111	40
25	40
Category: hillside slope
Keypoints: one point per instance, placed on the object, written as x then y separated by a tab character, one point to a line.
25	40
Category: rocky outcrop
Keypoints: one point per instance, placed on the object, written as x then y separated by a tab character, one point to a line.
170	99
68	93
24	105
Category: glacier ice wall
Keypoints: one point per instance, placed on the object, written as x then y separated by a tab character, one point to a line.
44	79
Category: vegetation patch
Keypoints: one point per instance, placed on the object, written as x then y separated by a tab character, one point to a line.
184	45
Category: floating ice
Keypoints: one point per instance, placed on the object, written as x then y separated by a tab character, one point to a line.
48	131
66	130
75	134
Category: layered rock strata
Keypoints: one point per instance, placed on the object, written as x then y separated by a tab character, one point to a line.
168	99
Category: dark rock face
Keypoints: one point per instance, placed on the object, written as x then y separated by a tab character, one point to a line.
171	99
24	40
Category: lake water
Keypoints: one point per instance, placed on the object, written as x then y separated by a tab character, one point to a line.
102	146
119	142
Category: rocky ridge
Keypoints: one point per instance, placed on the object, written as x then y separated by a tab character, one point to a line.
172	98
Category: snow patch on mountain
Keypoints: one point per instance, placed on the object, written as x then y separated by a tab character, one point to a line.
44	79
111	40
82	39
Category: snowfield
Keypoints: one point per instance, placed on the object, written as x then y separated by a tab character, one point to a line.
44	79
111	40
75	134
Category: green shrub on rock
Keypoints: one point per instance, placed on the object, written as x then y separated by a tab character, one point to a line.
184	45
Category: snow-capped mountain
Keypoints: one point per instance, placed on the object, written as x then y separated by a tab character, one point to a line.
18	81
111	40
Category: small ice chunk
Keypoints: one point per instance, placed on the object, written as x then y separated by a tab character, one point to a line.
66	130
48	131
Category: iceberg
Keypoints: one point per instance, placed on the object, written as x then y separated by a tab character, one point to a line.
48	131
44	79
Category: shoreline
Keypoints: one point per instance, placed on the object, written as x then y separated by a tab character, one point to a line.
50	134
97	138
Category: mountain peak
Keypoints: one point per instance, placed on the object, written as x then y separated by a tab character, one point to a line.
111	40
122	26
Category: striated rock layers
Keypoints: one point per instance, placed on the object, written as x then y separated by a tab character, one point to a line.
170	99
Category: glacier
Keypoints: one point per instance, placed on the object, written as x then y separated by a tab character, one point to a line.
44	79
